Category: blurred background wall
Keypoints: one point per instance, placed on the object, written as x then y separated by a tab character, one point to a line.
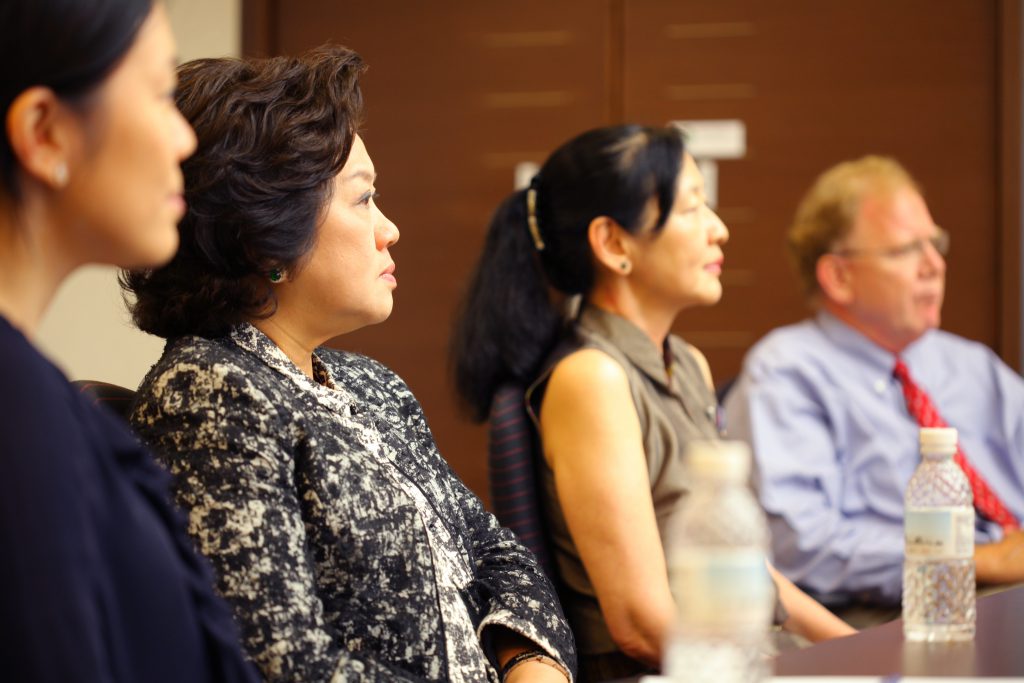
461	92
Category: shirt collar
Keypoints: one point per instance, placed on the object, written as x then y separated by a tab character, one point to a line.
855	343
629	339
247	337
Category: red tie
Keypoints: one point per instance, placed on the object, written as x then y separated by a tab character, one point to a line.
986	501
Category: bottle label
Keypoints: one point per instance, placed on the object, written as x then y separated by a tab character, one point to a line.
939	533
725	588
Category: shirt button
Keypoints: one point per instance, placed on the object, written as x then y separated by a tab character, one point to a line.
880	386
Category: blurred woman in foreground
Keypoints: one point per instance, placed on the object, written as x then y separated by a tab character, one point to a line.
99	580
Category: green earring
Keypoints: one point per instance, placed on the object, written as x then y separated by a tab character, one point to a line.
275	275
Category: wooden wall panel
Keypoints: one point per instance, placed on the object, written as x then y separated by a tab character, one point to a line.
817	83
460	90
1010	99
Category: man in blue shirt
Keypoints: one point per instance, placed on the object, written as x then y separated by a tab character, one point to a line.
834	442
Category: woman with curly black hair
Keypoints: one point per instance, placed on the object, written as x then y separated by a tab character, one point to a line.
348	548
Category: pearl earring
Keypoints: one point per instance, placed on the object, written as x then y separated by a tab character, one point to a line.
60	175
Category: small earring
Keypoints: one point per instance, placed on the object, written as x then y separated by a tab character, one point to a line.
60	175
624	266
275	275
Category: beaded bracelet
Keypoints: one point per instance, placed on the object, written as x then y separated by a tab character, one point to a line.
531	656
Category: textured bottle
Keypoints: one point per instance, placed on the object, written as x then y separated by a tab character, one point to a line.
938	569
717	570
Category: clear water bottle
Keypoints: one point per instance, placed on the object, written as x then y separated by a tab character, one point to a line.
938	569
717	572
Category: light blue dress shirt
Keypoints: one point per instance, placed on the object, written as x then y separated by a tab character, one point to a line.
835	446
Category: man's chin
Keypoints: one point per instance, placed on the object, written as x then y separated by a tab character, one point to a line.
923	327
932	321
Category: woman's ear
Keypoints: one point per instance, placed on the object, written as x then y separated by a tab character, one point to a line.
39	129
609	242
834	279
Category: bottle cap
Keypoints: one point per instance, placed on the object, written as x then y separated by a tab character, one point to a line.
938	439
723	460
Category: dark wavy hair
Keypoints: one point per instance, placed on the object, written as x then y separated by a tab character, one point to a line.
69	46
508	322
272	135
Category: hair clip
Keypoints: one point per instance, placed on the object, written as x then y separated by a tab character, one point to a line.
531	218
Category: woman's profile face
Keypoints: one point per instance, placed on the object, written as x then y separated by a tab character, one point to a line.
125	190
680	265
347	280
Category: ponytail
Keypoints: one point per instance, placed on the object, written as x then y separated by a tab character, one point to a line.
507	323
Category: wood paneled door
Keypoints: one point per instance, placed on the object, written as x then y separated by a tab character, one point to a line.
816	83
461	91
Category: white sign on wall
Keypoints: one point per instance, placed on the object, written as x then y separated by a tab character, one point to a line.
710	140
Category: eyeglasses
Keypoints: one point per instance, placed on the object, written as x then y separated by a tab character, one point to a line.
939	242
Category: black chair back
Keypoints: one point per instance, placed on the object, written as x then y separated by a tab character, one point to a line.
512	454
116	398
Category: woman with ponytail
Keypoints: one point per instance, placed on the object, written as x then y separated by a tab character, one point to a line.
618	216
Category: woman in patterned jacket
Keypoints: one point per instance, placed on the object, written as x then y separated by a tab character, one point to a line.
347	547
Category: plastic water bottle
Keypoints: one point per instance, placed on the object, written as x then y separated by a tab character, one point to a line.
719	579
938	570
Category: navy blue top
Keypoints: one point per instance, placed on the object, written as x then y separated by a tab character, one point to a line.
97	580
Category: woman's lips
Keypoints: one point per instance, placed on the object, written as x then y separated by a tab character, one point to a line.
178	205
714	268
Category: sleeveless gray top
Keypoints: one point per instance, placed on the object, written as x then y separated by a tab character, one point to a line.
674	405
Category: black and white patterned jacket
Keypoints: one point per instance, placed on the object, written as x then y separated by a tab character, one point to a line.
348	548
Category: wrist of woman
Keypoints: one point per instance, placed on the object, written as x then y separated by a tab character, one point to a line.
539	656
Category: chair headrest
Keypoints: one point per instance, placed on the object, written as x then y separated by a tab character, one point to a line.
116	398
